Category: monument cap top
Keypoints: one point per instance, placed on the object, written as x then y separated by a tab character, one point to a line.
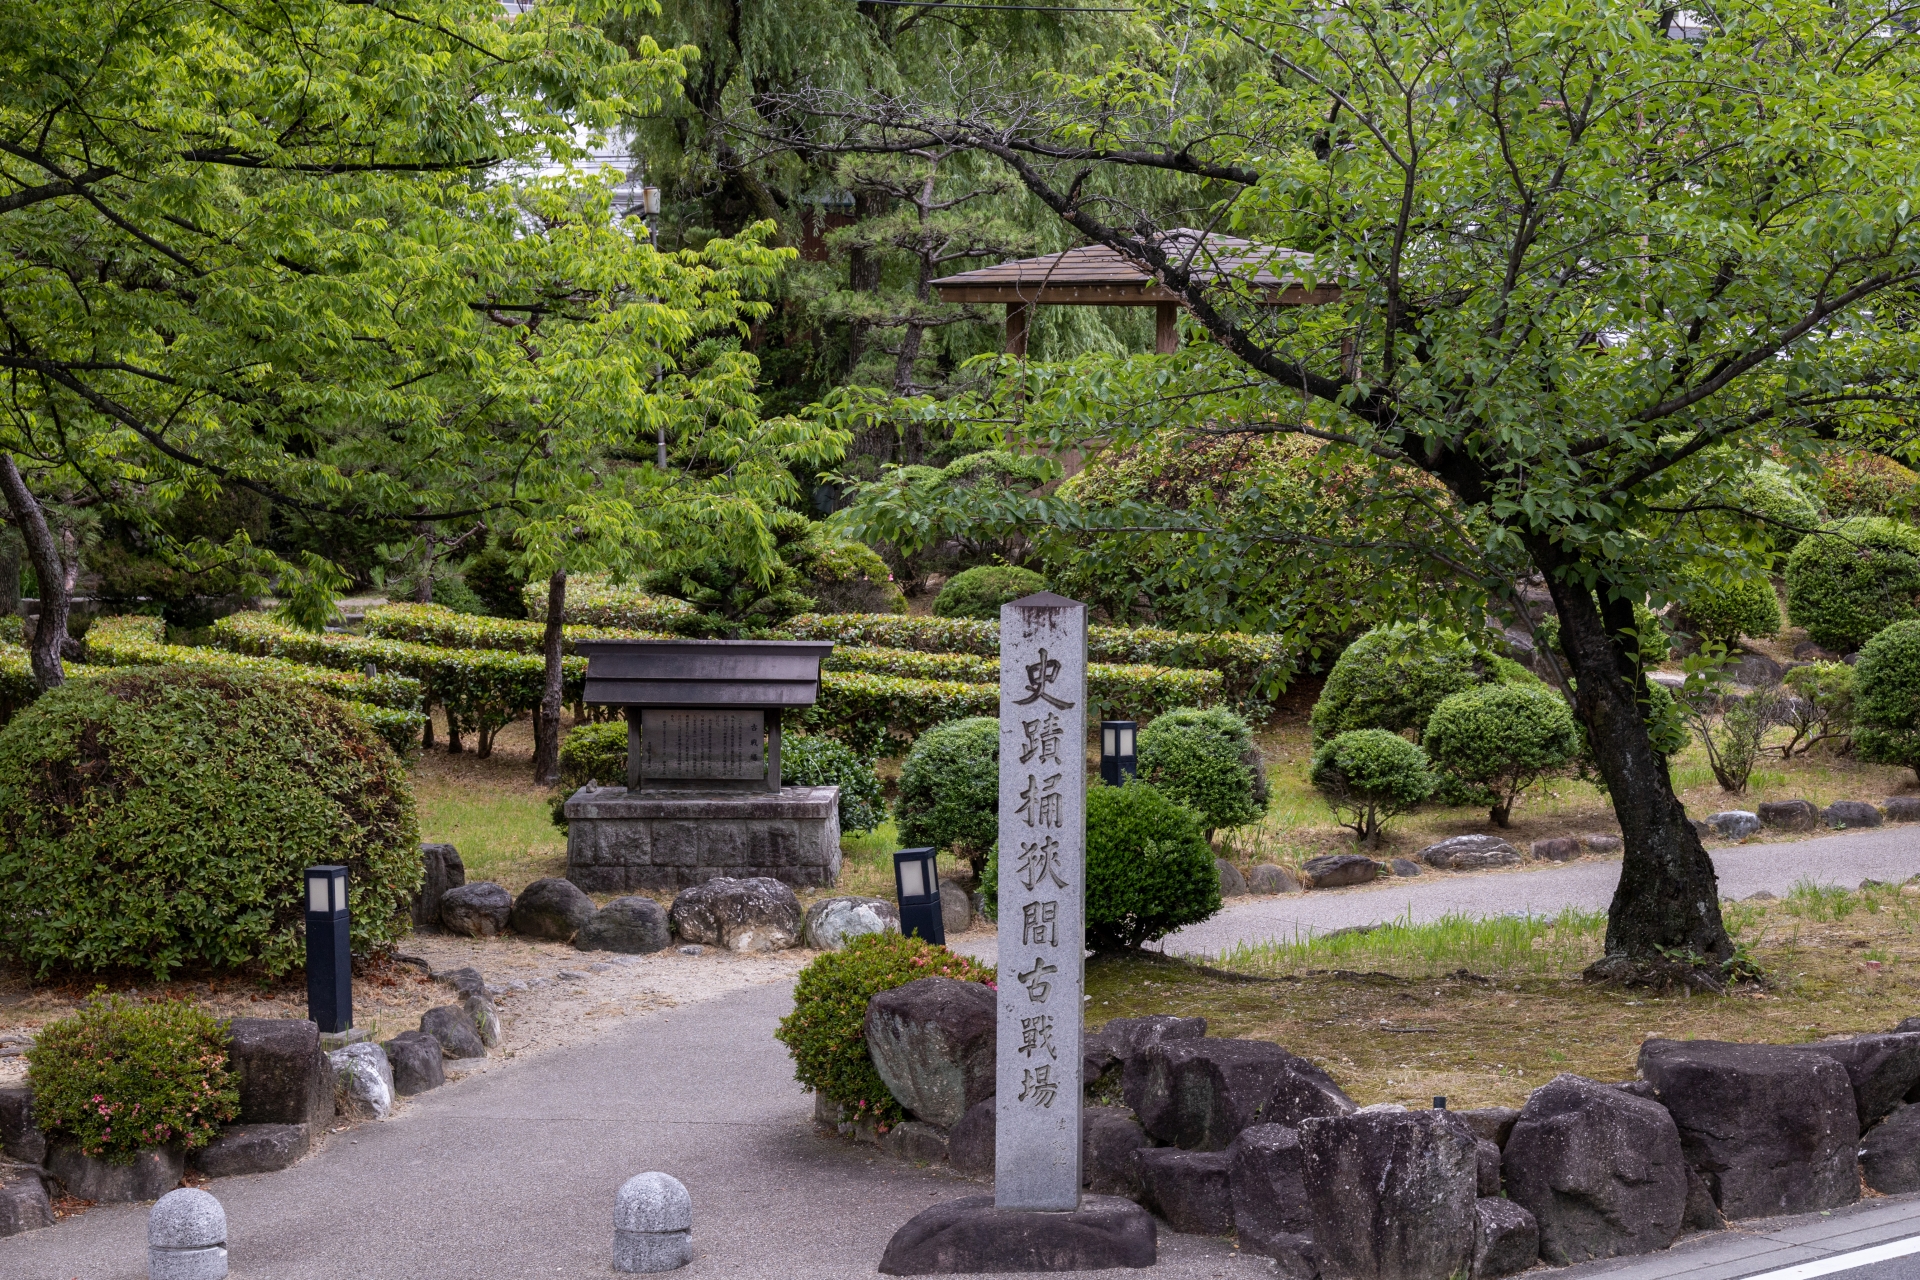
1044	600
186	1218
703	673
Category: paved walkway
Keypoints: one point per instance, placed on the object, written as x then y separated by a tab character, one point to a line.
1887	853
512	1174
1843	1243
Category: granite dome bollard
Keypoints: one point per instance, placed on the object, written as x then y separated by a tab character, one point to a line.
187	1237
652	1224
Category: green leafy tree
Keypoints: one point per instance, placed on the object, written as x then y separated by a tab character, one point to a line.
338	257
1887	701
1573	263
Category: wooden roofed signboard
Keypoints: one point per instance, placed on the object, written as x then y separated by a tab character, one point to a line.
1096	276
703	714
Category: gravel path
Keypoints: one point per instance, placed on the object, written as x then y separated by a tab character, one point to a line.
1888	853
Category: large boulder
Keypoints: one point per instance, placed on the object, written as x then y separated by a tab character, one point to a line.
1788	815
23	1204
253	1148
284	1078
1556	849
970	1146
970	1235
1882	1069
1850	813
364	1080
1187	1190
1232	883
632	926
832	923
1109	1137
1505	1239
757	914
20	1137
1470	853
1599	1169
1733	824
1773	1129
956	908
444	871
1268	1183
932	1041
1890	1153
476	910
1492	1124
453	1028
1268	878
1391	1194
153	1172
415	1057
1338	870
1131	1037
551	908
1199	1094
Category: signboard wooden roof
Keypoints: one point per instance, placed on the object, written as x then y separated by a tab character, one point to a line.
1095	275
703	673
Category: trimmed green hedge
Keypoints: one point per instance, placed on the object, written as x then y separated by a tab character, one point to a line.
881	715
139	641
159	817
595	600
399	727
1253	668
437	625
480	689
1140	691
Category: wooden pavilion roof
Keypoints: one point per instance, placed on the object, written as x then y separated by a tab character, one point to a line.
1095	275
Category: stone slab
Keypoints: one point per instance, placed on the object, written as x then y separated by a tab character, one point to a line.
1042	909
969	1236
622	842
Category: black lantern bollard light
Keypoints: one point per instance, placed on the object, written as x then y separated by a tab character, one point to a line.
1117	760
917	885
329	958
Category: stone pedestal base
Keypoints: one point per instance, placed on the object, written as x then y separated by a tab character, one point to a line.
969	1236
619	841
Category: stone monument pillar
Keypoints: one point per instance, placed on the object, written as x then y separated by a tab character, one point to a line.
1043	929
1037	1218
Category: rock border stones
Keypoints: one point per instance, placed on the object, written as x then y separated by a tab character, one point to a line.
970	1235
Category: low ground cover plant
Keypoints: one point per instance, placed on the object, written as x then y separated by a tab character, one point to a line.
826	1032
1206	760
157	817
119	1076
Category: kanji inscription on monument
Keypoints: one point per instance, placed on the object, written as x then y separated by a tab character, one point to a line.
1043	855
700	745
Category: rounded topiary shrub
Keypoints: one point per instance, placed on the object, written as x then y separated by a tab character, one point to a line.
826	1032
1852	579
809	760
1886	700
979	593
950	789
1394	676
1498	740
1368	776
160	817
1725	610
118	1076
1149	870
1205	759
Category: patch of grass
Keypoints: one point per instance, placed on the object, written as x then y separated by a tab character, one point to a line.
1475	1011
1507	945
491	811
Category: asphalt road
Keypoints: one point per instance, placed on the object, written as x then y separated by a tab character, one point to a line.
1886	853
512	1174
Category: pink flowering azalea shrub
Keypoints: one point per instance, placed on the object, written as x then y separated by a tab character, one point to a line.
122	1075
826	1032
